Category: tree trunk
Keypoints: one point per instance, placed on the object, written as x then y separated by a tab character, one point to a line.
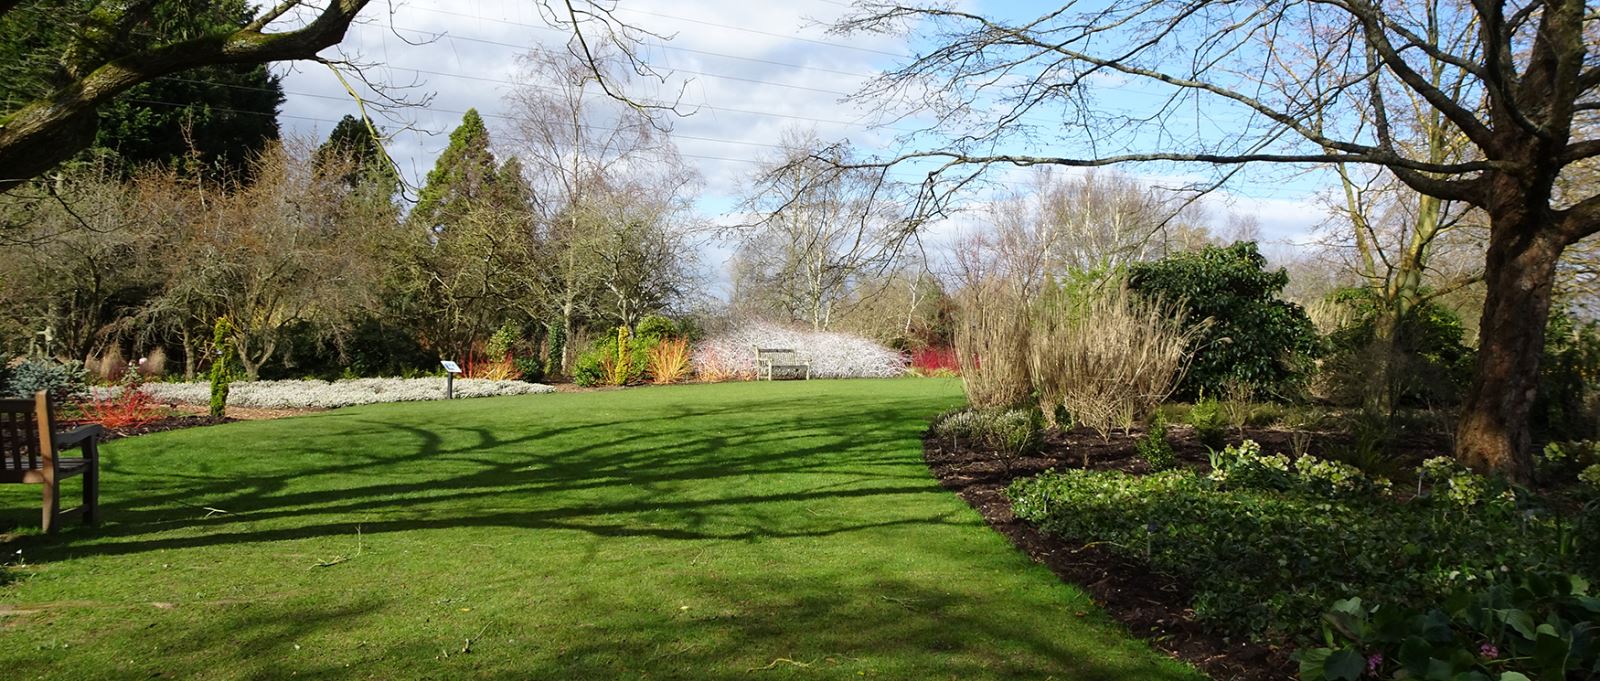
1493	434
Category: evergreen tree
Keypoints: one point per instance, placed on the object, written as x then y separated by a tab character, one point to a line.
464	174
352	142
214	117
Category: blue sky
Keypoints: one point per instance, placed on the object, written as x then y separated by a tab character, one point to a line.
750	69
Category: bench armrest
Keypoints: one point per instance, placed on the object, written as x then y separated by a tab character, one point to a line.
77	436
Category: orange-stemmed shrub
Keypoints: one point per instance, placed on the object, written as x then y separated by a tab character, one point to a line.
669	361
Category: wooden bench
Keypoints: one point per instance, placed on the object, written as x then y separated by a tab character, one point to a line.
30	453
769	361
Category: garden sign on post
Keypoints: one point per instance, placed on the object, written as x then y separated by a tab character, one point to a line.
450	371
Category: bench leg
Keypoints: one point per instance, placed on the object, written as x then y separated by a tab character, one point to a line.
52	505
91	483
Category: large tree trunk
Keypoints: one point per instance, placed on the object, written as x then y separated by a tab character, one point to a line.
1493	434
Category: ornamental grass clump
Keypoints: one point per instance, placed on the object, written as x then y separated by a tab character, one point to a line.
668	361
1108	359
992	345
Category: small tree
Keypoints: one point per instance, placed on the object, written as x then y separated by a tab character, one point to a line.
221	366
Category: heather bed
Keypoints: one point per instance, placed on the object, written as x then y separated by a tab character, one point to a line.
316	394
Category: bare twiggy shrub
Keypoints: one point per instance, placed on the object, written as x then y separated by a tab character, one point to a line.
1106	357
992	344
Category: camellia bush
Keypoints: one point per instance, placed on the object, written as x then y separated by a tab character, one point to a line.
832	355
314	394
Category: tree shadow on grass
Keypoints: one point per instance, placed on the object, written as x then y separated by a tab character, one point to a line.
596	477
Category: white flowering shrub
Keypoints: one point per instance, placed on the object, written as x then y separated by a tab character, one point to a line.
330	395
832	355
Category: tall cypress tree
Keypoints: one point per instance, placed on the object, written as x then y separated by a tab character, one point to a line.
464	174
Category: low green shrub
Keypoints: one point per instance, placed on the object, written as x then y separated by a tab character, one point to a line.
1209	423
1009	433
1538	626
1154	447
1245	467
602	364
531	368
62	380
1265	544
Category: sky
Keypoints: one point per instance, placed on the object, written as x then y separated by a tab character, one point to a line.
749	70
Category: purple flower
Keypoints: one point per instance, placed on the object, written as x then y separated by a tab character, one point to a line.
1488	651
1374	661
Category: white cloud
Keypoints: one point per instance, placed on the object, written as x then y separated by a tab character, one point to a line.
753	69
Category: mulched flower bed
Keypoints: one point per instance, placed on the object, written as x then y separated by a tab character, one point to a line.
1151	605
162	425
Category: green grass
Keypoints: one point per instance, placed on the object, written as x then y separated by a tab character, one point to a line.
784	530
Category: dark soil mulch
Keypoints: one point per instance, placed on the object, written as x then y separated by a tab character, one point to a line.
1151	605
162	425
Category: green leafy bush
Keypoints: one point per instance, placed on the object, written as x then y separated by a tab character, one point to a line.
1268	547
1566	404
1540	626
1154	447
1209	425
656	327
604	364
1251	336
531	368
1433	361
62	380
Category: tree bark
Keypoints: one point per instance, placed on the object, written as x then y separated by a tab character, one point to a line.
1493	434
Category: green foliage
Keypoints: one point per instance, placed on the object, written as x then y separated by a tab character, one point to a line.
226	113
531	368
1245	467
608	362
62	380
1267	546
1252	337
1564	408
1154	447
1210	426
1538	626
502	341
463	176
353	143
556	344
1434	363
222	366
656	327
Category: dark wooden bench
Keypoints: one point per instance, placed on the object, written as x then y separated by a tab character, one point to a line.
30	453
772	360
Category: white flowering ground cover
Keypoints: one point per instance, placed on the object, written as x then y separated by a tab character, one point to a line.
309	394
832	355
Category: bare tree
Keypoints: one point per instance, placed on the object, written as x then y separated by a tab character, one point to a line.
818	229
597	167
1532	83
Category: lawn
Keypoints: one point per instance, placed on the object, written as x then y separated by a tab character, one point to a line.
782	530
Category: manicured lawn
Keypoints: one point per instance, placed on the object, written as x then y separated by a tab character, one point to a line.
783	530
